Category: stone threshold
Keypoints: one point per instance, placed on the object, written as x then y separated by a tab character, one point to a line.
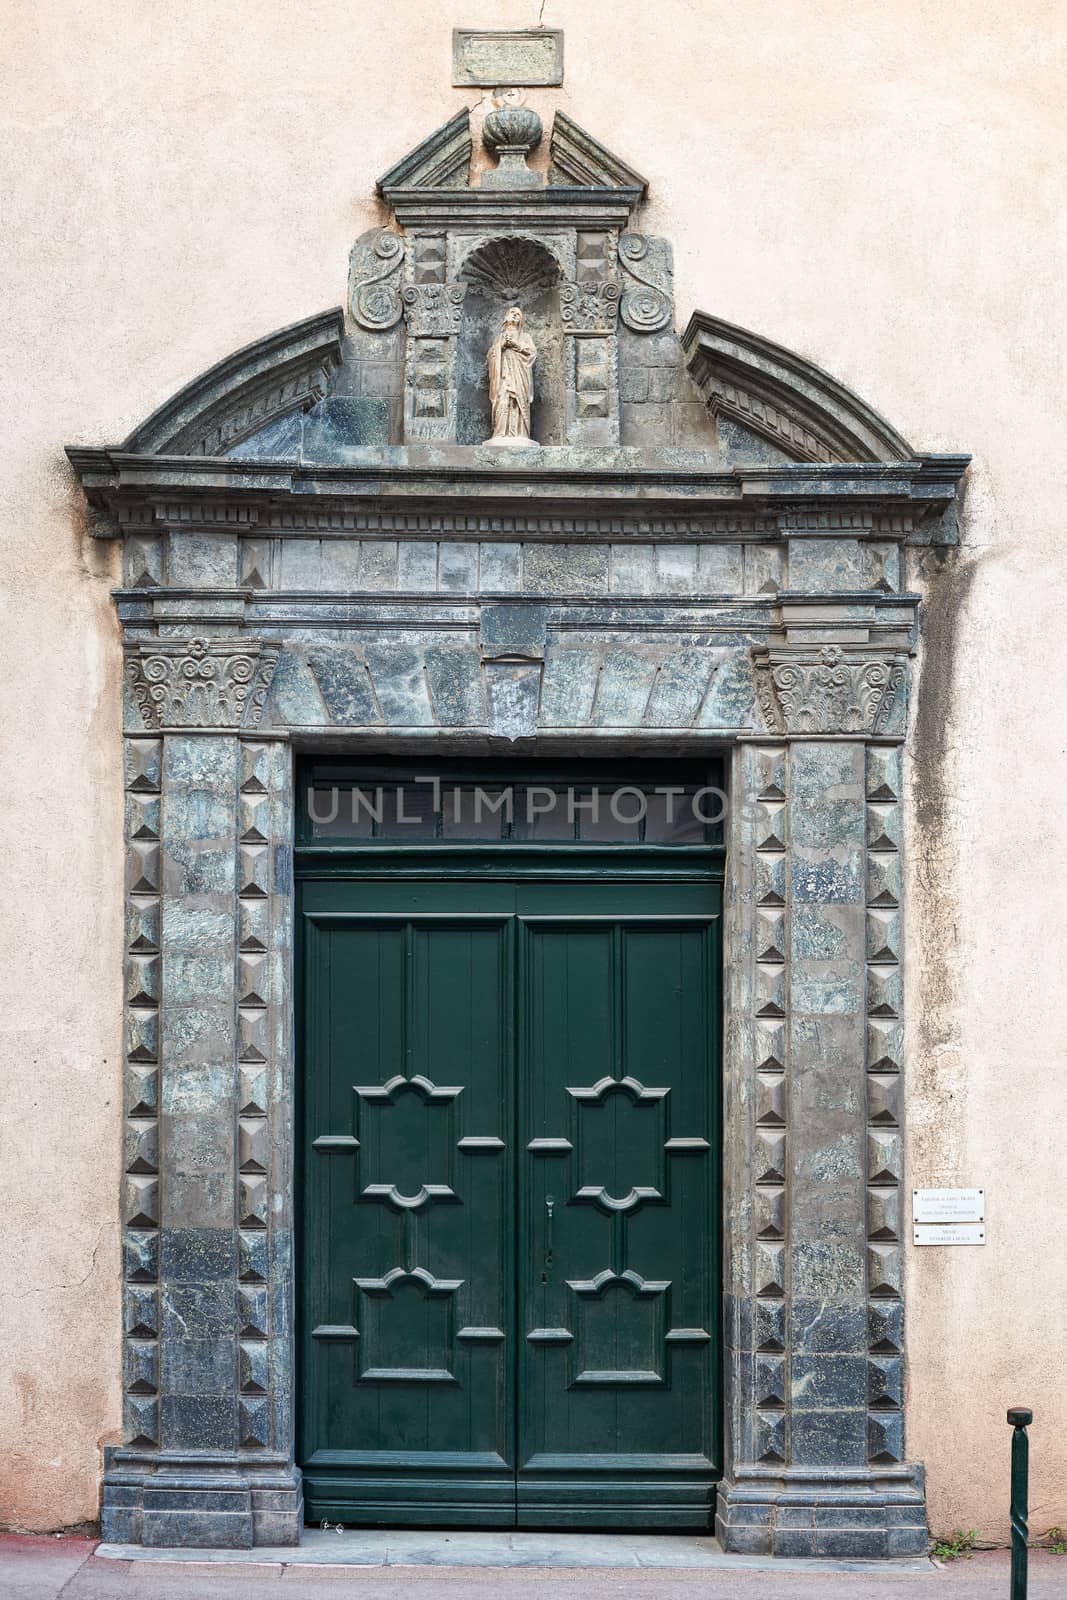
354	1547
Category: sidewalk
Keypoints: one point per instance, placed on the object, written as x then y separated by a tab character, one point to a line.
69	1569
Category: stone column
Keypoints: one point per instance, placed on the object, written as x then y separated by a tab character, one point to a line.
208	1452
815	1452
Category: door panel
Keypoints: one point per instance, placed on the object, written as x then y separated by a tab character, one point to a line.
618	1340
472	1050
408	1301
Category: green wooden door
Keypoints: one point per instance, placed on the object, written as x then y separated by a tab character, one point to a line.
618	1301
509	1305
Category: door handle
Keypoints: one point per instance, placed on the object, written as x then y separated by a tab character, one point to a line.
550	1206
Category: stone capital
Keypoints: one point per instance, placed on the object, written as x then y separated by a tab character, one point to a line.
433	310
200	683
828	689
589	307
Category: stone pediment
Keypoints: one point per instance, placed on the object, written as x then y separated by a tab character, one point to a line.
400	377
440	161
286	372
788	401
578	161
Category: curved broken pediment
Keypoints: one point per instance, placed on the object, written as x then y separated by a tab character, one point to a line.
782	398
408	369
285	372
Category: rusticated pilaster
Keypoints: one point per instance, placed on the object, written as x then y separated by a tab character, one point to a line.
207	1458
141	1376
815	1459
884	1060
768	778
589	311
263	1210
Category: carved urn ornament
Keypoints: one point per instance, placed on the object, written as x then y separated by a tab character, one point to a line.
510	132
511	360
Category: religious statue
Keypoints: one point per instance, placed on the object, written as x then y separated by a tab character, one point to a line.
511	359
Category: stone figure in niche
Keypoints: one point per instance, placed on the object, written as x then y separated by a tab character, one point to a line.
511	361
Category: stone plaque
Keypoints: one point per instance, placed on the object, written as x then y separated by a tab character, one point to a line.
520	57
948	1205
950	1233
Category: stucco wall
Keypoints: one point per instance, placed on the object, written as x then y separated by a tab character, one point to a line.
876	186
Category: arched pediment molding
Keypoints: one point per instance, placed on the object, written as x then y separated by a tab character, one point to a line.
785	399
286	371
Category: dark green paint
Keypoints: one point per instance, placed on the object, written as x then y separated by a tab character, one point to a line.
548	1354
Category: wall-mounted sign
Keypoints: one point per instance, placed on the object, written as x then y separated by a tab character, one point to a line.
498	57
950	1233
948	1205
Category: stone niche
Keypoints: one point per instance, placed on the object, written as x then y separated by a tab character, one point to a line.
507	271
704	551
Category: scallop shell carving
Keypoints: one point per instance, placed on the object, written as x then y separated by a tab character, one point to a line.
507	267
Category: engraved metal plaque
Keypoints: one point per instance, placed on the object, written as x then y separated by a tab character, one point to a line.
518	57
950	1233
948	1205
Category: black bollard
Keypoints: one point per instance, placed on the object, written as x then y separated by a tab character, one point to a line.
1020	1418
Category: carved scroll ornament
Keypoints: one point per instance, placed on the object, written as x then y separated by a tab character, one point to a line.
374	277
827	691
647	305
196	683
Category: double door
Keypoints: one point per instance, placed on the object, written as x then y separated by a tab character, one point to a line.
509	1305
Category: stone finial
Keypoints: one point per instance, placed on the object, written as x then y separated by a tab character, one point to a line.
510	132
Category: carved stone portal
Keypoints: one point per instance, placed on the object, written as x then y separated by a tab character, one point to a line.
289	577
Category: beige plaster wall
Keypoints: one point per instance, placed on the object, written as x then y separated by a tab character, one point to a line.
872	182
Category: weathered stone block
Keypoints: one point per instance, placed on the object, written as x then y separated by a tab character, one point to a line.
300	564
565	569
833	1326
730	698
398	675
500	568
514	630
339	564
676	569
202	560
829	1438
829	1382
569	686
196	1255
344	684
456	685
826	566
417	566
379	565
633	569
198	1366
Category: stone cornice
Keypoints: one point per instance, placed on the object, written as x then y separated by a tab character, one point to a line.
549	480
574	207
